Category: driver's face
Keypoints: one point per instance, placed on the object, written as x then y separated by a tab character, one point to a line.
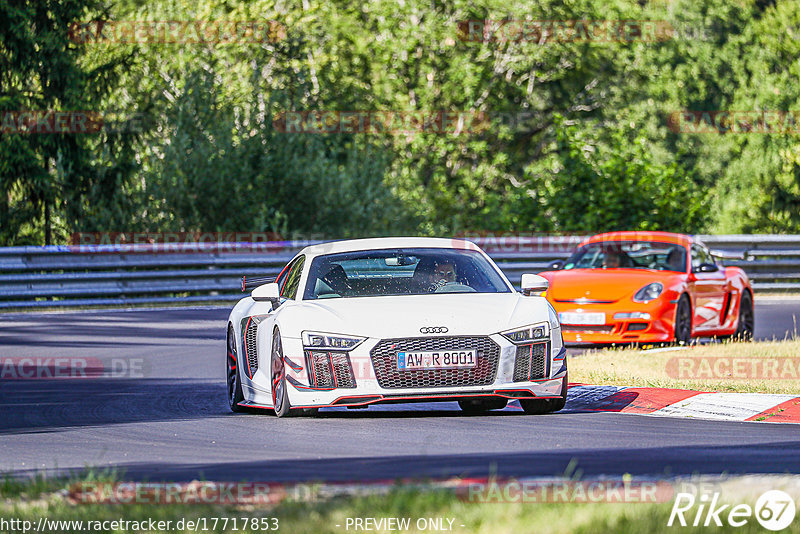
611	260
445	271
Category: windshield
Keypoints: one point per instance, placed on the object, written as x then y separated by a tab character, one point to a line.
629	255
417	271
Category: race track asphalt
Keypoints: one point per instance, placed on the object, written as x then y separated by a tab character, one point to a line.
165	417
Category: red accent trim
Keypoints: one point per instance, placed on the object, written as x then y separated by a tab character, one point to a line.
259	406
501	391
333	372
312	388
383	398
246	356
291	364
313	369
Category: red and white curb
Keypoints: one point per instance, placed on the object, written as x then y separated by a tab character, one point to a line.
761	407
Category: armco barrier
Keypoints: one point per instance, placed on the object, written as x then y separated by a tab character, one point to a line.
86	275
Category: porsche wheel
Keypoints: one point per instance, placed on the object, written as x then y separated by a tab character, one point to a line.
543	406
280	400
481	406
746	324
235	395
683	321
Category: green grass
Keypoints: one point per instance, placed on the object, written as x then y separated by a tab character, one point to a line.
40	497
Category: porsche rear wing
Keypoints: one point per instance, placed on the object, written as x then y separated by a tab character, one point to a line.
729	255
255	281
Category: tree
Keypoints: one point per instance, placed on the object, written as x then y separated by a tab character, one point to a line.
48	181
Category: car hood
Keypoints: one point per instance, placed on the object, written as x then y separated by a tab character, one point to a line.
607	285
403	316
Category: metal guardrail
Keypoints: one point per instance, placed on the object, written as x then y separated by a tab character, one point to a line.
87	275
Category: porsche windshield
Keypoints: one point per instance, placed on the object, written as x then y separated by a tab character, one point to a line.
629	255
416	271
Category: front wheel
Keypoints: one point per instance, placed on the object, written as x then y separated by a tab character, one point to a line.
746	323
280	399
683	321
543	406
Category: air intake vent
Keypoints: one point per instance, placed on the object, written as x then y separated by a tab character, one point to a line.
531	362
249	336
329	370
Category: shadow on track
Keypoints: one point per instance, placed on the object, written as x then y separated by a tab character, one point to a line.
32	406
766	458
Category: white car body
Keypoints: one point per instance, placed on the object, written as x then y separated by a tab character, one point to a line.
402	319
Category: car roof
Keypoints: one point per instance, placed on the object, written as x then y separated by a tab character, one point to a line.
660	237
353	245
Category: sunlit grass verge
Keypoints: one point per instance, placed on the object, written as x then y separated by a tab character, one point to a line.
30	501
696	368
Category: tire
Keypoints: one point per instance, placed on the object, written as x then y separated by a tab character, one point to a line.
481	406
280	399
747	322
234	380
543	406
683	321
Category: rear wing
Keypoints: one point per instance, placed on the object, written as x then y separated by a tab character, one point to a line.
729	254
253	282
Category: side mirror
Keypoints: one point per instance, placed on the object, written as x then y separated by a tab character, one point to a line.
556	265
267	292
706	268
533	283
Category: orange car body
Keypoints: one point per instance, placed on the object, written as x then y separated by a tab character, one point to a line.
597	305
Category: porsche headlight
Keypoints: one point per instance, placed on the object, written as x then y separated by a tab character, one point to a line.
537	332
648	292
317	340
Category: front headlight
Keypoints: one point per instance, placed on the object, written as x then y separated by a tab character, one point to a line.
648	292
536	332
317	340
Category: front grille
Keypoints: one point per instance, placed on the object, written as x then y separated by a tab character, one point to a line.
249	335
531	362
328	370
384	361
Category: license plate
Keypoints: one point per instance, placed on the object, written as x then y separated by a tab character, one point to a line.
582	318
440	359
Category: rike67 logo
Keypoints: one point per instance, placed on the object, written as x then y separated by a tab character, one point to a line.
774	510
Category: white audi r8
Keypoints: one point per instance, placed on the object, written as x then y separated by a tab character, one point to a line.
388	320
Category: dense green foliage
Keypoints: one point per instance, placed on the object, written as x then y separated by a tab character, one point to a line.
581	136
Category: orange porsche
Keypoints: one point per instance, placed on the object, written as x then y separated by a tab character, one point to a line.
648	287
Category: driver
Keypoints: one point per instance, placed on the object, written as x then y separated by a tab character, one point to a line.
611	260
444	273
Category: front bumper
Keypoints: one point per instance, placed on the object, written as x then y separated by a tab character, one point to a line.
659	328
368	389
